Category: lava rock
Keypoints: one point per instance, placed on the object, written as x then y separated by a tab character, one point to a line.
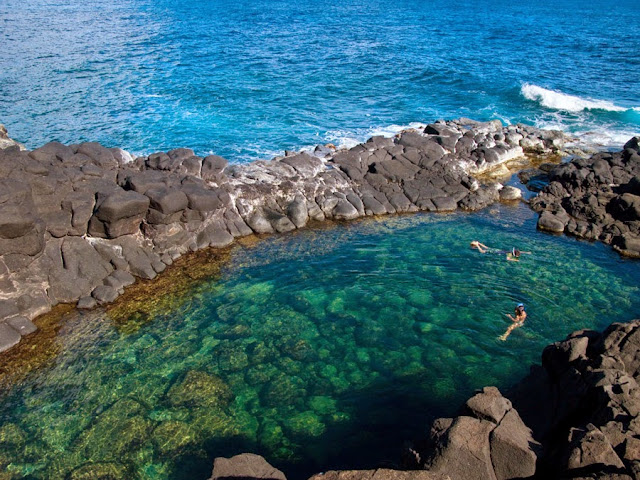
246	466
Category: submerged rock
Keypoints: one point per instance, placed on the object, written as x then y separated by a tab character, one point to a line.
100	471
199	389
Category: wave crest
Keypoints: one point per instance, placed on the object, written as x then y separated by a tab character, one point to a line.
562	101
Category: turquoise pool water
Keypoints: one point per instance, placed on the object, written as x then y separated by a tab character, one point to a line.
319	349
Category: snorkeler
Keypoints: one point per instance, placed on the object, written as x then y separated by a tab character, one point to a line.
514	254
518	320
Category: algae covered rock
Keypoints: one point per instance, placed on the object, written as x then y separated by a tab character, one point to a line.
284	390
11	436
305	424
173	436
232	357
126	427
101	471
200	389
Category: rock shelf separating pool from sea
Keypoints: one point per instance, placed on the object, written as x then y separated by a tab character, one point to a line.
575	416
79	223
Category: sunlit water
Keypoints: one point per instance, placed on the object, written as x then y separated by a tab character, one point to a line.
248	79
319	349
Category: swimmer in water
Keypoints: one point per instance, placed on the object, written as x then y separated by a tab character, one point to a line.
514	254
482	248
518	318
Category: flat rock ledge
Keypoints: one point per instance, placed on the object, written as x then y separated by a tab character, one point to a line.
574	417
78	223
596	198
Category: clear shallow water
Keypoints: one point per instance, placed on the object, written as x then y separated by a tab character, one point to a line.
250	79
320	349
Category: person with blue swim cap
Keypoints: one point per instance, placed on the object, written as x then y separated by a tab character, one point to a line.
518	319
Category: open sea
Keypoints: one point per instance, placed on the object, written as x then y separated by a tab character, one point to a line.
248	79
322	348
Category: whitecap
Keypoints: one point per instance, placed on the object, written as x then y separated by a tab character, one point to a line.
562	101
348	139
589	134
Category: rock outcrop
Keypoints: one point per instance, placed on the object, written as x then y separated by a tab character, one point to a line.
78	222
596	198
245	466
489	440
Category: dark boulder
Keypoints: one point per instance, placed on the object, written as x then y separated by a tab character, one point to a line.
22	325
625	207
246	466
591	448
551	222
212	167
633	144
104	294
202	199
8	337
167	200
306	165
118	213
513	449
100	156
463	450
52	152
489	404
215	235
298	212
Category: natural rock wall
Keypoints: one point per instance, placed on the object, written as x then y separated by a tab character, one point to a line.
78	223
596	198
576	416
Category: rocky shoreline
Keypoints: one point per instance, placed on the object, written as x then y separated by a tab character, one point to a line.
79	223
574	417
596	199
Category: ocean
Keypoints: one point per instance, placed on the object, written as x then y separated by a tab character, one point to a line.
247	80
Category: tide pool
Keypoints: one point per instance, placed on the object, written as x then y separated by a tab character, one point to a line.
325	348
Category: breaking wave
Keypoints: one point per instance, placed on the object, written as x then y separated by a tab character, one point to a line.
570	103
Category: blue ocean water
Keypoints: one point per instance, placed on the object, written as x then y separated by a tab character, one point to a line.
249	79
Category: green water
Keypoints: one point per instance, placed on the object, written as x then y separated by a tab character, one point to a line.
318	350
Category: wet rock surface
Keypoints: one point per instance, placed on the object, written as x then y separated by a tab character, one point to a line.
596	198
77	222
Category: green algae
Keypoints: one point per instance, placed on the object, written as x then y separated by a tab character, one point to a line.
318	349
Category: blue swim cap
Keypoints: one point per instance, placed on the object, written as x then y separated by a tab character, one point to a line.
520	305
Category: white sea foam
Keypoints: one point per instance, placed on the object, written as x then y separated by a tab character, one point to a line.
349	139
562	101
597	136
